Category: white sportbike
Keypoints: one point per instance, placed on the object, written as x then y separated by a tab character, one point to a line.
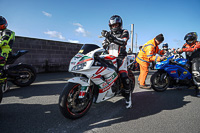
96	80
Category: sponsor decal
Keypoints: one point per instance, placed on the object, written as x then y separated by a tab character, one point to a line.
78	56
185	72
107	87
79	66
73	63
84	59
173	72
81	51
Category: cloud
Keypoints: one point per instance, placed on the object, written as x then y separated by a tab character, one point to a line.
81	30
178	42
55	34
73	41
77	24
46	14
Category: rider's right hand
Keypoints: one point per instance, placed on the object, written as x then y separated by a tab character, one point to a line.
179	50
162	58
105	33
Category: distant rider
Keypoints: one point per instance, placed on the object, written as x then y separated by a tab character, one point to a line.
118	38
191	47
7	38
167	51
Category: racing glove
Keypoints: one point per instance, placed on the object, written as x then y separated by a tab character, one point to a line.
162	58
107	35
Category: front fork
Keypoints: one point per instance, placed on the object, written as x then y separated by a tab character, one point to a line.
84	90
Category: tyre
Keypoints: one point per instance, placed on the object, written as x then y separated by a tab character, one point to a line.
132	80
71	106
1	93
26	75
160	81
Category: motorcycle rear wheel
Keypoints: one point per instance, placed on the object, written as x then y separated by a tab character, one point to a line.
27	75
70	105
160	81
1	93
132	80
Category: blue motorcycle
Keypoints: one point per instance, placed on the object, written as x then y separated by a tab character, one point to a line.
173	71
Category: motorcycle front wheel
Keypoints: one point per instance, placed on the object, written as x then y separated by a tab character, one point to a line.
71	106
160	81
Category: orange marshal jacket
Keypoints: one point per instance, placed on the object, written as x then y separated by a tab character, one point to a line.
148	53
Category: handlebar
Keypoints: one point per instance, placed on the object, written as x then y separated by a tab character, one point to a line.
172	61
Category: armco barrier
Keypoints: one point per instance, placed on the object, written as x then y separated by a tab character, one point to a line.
46	55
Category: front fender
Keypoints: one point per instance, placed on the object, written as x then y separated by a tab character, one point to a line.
80	80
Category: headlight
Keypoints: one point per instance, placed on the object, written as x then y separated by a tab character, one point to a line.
79	66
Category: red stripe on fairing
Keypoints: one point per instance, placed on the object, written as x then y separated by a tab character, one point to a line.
108	87
98	76
84	61
114	62
123	71
101	69
110	57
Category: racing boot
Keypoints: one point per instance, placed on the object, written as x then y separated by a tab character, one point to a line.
128	99
127	93
198	92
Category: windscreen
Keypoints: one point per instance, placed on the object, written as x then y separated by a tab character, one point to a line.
86	48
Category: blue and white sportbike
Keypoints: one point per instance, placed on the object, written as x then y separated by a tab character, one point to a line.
173	71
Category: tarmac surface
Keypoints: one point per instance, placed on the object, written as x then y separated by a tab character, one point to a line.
34	109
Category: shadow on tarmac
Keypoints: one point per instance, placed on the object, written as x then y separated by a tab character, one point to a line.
47	117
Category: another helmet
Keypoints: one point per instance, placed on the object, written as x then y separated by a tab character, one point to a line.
3	23
115	19
165	46
190	37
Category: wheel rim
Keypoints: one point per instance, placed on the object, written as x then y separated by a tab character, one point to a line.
161	81
26	75
78	106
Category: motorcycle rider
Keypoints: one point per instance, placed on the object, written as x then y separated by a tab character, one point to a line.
7	38
165	47
146	55
191	48
116	46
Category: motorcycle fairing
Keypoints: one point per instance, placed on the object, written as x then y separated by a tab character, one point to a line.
80	80
175	71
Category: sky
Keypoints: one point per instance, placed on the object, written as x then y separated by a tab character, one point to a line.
81	21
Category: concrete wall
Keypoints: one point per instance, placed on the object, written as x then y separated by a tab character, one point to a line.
46	55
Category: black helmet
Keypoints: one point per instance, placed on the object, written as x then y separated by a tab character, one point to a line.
190	37
115	19
3	23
